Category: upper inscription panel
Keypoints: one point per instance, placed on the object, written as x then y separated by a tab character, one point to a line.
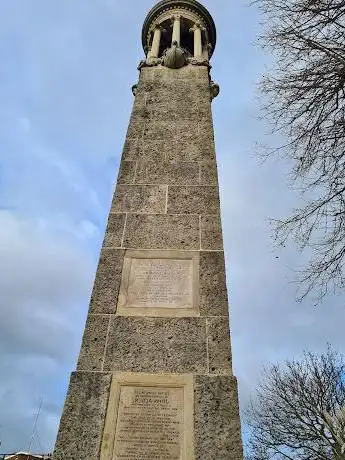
160	283
164	283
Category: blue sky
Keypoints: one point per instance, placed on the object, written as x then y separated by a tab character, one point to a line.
66	69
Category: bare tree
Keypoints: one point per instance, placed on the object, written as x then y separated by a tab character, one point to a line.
299	410
305	100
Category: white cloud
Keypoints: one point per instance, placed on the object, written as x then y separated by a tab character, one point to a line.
44	283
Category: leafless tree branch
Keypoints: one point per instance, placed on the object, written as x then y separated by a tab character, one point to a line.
305	101
299	410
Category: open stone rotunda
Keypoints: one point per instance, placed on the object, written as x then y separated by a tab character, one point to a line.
154	377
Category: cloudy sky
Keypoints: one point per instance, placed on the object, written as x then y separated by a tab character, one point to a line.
66	69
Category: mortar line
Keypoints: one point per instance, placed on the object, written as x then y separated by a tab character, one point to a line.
106	343
84	371
110	315
124	230
159	249
160	185
200	231
207	351
135	172
106	315
166	201
199	173
162	214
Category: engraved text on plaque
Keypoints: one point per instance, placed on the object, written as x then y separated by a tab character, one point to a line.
159	284
149	424
149	417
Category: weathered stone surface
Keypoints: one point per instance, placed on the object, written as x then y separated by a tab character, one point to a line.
130	149
217	421
183	110
136	127
180	131
152	150
127	172
175	345
185	73
140	199
194	150
148	150
193	200
169	92
93	345
213	292
114	231
82	422
151	172
162	232
107	282
208	173
219	351
211	233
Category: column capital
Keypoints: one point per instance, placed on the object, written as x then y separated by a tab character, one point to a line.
157	26
196	26
176	17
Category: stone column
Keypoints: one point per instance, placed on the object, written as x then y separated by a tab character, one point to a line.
154	52
156	341
197	41
176	35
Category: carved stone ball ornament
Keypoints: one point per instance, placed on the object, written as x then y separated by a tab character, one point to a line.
214	88
175	57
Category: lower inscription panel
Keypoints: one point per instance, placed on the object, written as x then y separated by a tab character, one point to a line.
159	283
149	421
149	417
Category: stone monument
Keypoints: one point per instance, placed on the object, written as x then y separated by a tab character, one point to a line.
154	378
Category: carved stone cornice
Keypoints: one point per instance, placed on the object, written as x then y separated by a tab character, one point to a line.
189	6
199	62
151	62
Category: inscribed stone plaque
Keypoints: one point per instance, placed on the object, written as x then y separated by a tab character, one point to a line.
163	283
149	417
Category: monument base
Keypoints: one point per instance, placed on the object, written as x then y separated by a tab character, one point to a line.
209	429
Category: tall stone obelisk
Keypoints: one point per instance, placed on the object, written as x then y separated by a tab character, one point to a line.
154	378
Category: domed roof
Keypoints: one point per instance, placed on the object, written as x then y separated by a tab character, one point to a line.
189	4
